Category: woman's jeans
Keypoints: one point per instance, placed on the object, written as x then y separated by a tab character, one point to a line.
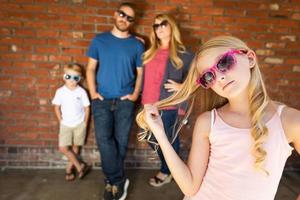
112	120
169	118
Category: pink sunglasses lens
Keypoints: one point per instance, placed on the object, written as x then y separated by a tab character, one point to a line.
225	63
206	79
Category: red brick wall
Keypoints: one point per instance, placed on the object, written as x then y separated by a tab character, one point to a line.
39	36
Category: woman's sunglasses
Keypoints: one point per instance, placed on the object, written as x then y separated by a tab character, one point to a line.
128	18
225	63
76	78
162	24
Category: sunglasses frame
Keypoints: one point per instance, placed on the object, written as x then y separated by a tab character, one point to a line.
215	68
128	18
162	24
72	77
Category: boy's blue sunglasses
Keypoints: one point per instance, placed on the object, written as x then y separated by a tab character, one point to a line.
76	78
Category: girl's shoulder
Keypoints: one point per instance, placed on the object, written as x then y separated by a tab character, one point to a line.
202	124
290	119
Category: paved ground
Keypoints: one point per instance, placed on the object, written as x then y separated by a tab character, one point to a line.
50	185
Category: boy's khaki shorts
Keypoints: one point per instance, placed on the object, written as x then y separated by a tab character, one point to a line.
69	136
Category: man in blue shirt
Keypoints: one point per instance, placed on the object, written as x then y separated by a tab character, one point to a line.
114	76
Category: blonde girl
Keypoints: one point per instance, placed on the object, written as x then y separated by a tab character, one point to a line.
241	143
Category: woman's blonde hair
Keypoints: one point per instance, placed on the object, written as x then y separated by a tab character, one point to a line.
257	94
176	44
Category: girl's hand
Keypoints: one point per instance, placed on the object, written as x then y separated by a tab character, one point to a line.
154	120
172	86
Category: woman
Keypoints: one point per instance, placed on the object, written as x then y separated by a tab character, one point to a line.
166	66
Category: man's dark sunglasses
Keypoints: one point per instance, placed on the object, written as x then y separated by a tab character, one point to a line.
130	19
162	24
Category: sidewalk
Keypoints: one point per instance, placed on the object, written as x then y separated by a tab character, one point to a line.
17	184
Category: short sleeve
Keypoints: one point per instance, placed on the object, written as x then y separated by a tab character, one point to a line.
57	98
85	99
93	50
140	51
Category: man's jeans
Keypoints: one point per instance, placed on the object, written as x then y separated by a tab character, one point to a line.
112	120
169	118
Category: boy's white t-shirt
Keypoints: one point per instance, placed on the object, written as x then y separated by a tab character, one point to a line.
72	103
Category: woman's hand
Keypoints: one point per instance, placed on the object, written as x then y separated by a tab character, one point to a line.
172	86
154	121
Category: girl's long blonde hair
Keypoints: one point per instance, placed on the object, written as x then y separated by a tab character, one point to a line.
176	44
257	94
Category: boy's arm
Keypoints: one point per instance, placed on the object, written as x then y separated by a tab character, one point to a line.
87	114
57	112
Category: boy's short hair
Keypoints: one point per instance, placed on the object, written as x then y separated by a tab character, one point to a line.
127	4
76	67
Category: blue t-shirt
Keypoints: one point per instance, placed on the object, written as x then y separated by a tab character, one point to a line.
118	59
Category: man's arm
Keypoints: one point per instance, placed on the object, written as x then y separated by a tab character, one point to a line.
138	84
91	80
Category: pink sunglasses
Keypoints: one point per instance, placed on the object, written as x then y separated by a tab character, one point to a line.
225	63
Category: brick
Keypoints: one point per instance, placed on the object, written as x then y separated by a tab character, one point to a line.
10	40
97	4
37	72
264	52
45	50
24	64
47	33
296	16
39	58
86	10
200	19
35	41
275	45
53	58
225	4
59	9
273	60
72	18
294	61
248	5
28	136
24	32
77	35
233	12
36	24
291	38
296	68
10	23
48	17
106	12
5	31
274	6
95	19
213	11
256	13
72	51
14	56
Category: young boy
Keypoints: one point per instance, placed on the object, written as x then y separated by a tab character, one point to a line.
71	106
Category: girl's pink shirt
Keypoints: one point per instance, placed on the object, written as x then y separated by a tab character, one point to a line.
231	174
